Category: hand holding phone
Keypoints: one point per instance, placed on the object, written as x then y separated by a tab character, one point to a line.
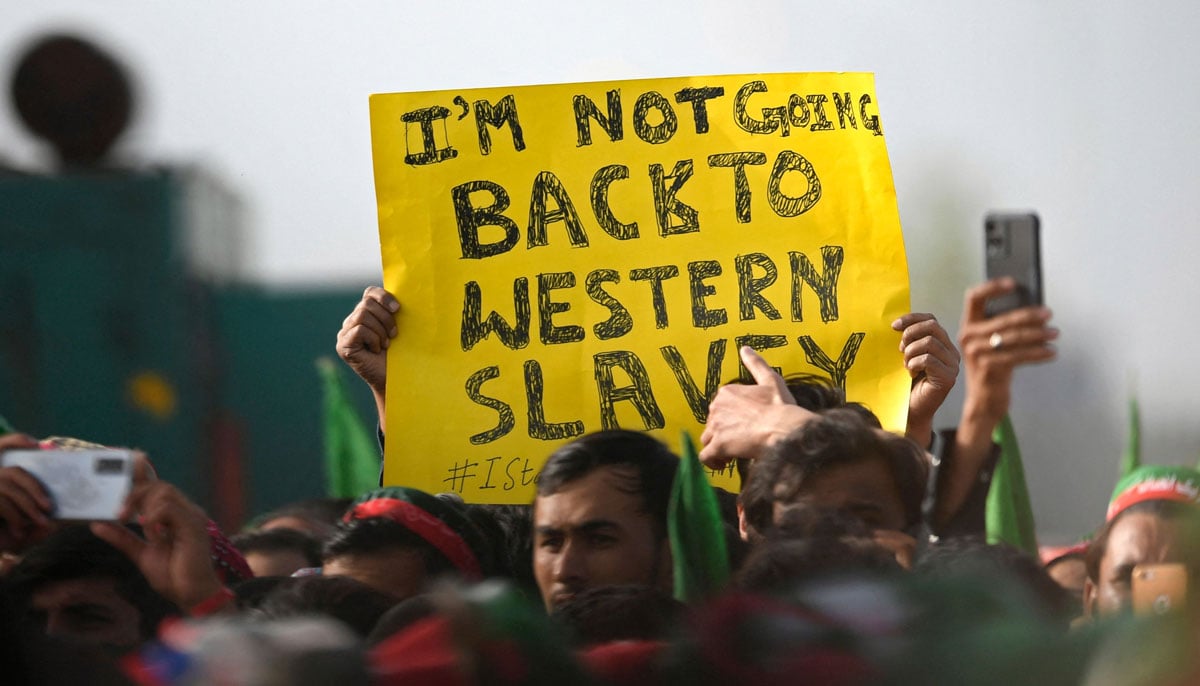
24	505
174	554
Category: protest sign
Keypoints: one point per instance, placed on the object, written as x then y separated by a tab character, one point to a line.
578	257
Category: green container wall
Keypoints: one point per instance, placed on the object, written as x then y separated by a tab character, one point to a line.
95	290
270	342
93	293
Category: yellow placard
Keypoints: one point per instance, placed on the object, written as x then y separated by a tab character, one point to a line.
577	257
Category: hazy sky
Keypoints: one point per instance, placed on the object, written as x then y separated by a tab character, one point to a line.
1081	110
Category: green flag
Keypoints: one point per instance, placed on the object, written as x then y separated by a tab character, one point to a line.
696	530
5	427
1132	458
351	454
1009	514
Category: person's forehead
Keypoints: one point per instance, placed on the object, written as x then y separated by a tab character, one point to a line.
387	558
860	476
267	558
600	495
295	523
1141	536
93	591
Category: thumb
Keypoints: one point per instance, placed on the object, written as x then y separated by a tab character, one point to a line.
764	375
120	538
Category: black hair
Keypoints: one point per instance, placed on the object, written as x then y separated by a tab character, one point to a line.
280	541
808	544
351	602
375	534
401	616
251	593
619	613
837	437
325	513
74	552
817	393
782	564
972	557
510	528
647	468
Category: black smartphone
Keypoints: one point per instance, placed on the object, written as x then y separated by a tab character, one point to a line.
1012	247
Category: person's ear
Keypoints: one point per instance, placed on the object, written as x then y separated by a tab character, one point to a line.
1090	593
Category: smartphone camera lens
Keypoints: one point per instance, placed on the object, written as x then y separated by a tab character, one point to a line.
110	465
1162	604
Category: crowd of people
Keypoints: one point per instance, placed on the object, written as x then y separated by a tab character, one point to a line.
853	555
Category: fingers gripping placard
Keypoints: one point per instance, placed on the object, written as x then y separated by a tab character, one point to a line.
587	256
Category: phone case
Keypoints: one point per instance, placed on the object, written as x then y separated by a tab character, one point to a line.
1012	248
84	484
1157	589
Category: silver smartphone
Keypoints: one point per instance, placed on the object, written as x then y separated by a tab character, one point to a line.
1012	247
84	484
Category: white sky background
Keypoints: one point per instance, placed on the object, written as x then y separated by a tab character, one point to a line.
1082	110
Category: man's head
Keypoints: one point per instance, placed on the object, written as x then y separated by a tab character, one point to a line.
278	552
351	602
837	461
317	517
75	586
600	515
1153	518
809	545
1148	532
398	539
1005	566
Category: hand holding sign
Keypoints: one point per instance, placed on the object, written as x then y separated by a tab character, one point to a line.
932	360
580	257
744	419
365	337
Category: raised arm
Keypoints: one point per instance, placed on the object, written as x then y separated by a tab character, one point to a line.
992	350
743	419
364	339
932	360
175	555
